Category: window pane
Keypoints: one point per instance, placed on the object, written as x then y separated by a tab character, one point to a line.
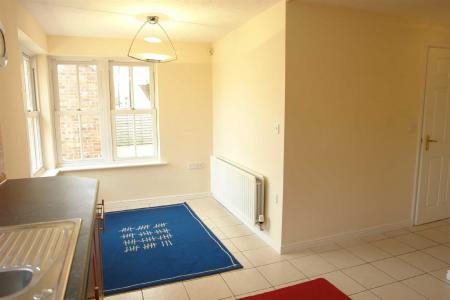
27	84
88	82
134	135
90	133
121	79
141	87
124	126
32	145
68	87
70	137
37	142
144	135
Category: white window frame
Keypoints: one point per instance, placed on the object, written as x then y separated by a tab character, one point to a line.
106	114
57	113
132	111
33	114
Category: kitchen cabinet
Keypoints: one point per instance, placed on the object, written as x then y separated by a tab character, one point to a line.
95	279
47	199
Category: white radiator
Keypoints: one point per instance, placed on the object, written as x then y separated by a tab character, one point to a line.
239	190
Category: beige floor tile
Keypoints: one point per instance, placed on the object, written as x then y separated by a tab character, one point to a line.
313	265
369	276
249	242
440	252
218	233
367	295
217	213
281	286
174	291
208	222
445	228
245	281
207	288
435	235
441	274
230	246
297	254
368	252
429	287
423	261
255	293
395	233
397	291
246	264
280	273
393	247
397	268
236	230
136	295
325	248
416	241
374	237
351	243
202	215
262	256
344	283
448	245
342	258
225	221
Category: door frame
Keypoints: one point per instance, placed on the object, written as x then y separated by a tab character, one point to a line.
420	131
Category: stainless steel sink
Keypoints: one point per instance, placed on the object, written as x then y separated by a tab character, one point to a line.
35	259
13	281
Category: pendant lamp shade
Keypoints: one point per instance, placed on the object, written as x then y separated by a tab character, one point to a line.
152	43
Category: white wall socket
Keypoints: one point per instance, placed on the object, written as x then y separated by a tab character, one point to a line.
276	128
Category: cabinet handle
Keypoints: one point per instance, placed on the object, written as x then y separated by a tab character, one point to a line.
101	214
97	293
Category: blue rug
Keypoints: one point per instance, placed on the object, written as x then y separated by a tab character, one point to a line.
152	246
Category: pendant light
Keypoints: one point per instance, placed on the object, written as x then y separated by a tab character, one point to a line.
152	43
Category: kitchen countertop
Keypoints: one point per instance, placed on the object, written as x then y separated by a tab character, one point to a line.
33	200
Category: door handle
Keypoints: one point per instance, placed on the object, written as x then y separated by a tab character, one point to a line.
428	141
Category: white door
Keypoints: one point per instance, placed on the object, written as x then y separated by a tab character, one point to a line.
433	201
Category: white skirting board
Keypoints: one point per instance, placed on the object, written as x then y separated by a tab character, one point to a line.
287	248
160	200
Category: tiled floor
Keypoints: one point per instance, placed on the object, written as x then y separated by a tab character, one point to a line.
410	263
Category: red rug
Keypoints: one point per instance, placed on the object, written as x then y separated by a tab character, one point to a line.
317	289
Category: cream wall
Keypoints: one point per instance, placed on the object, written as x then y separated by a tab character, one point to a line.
248	101
185	121
12	117
354	91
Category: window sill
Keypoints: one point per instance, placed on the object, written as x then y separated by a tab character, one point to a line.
117	165
48	173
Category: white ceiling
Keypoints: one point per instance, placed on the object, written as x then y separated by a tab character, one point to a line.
194	20
184	20
436	11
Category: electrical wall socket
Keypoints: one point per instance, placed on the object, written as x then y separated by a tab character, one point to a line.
196	166
276	128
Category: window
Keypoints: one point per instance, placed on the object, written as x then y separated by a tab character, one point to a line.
78	113
32	113
101	119
133	111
